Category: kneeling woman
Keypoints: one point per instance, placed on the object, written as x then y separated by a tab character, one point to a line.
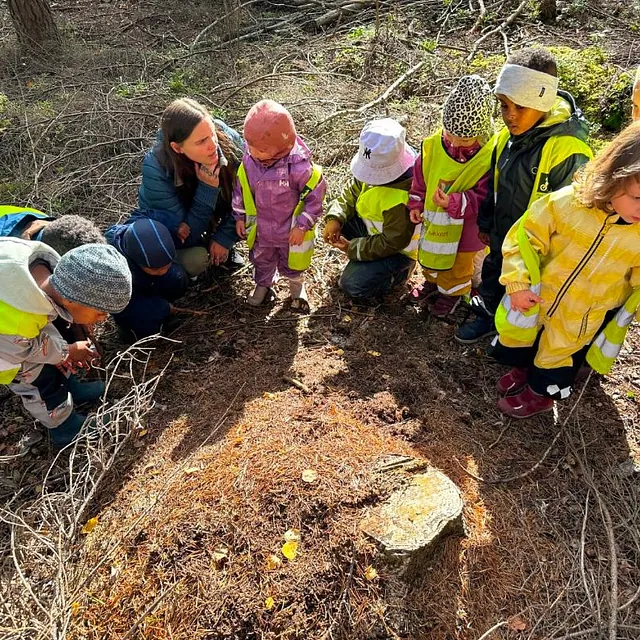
187	183
156	279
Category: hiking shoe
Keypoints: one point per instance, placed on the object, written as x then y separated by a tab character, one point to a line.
525	404
85	392
512	382
471	332
64	433
444	305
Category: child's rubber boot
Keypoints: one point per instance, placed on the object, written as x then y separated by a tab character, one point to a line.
85	392
471	332
64	433
257	296
512	382
444	305
298	295
525	404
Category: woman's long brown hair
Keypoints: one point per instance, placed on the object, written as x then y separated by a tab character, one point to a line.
179	120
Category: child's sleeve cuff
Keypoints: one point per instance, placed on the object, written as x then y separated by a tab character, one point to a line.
512	287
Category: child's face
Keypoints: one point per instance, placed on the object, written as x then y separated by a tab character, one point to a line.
202	145
267	157
84	315
627	203
157	271
518	119
635	111
457	141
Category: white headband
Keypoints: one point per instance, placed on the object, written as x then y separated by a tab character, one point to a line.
527	87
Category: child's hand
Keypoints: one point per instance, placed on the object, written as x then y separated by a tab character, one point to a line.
415	216
524	300
183	231
241	229
440	198
341	243
484	238
296	237
331	232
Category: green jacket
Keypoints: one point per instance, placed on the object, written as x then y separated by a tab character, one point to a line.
397	230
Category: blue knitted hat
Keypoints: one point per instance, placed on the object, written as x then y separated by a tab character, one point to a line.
94	275
149	244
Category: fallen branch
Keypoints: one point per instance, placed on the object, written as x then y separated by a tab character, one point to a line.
190	312
501	27
297	384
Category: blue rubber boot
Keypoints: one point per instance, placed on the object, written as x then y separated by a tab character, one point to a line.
85	392
471	332
65	432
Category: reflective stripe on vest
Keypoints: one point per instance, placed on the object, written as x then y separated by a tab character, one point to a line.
555	151
371	204
14	322
299	255
515	325
441	234
606	347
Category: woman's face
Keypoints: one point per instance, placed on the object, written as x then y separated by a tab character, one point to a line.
202	145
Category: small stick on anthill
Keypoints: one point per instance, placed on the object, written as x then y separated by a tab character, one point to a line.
296	383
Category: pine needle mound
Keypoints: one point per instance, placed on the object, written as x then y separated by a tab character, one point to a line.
213	545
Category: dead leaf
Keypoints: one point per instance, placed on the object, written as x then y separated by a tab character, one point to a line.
273	562
370	573
269	603
375	354
267	395
339	352
517	623
191	470
220	554
309	475
220	332
142	432
90	525
75	608
346	319
292	535
290	550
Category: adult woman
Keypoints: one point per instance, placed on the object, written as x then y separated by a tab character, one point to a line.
187	182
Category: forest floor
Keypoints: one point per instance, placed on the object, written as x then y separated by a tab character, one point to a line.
202	492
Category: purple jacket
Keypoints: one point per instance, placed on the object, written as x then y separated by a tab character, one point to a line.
276	191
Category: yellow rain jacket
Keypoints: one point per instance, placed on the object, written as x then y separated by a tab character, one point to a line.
588	263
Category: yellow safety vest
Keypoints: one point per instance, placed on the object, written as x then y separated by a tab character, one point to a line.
605	348
441	233
14	322
299	255
371	204
517	326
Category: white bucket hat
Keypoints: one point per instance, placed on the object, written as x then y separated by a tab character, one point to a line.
383	155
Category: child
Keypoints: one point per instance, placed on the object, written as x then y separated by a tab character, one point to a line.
36	287
370	221
570	263
157	280
61	234
450	181
277	200
543	144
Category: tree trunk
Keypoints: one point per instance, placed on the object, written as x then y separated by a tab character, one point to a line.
33	22
547	10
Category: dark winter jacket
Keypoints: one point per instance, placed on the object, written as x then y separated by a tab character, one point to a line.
517	165
161	193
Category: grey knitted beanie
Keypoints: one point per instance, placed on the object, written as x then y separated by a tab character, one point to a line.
469	108
95	276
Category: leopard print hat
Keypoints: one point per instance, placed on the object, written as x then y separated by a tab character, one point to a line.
468	111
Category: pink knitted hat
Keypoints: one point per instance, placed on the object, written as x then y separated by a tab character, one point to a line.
269	128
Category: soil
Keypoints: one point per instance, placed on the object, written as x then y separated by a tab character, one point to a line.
204	493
